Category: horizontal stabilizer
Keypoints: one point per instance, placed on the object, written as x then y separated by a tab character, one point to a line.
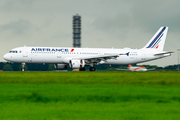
162	53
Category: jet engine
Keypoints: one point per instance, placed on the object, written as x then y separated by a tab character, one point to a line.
76	63
60	66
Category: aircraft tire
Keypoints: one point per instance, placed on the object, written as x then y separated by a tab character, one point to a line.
92	69
82	69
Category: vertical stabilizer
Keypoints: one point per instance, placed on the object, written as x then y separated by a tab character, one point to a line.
158	40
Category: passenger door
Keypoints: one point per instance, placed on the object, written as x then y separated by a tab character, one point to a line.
25	52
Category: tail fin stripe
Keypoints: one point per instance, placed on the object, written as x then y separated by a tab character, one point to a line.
157	42
156	38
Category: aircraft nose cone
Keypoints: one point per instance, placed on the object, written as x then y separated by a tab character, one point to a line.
6	57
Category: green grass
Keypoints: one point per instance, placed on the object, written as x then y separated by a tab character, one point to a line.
89	95
163	78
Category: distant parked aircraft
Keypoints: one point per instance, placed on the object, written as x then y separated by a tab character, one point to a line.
136	68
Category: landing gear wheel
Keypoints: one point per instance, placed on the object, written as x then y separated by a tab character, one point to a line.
82	69
92	69
23	66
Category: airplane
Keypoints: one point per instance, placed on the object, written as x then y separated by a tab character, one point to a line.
136	68
63	57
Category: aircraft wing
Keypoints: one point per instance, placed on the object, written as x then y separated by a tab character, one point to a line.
123	69
151	69
100	59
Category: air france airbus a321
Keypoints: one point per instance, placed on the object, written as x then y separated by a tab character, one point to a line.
63	57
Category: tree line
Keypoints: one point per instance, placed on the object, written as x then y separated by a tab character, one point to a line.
7	66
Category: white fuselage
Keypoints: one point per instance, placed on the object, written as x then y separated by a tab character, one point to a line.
63	55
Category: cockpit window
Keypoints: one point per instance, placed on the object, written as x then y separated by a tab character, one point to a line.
13	51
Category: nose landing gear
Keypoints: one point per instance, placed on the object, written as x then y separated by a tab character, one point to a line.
23	66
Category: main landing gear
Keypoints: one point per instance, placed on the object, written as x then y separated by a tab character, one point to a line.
90	69
82	69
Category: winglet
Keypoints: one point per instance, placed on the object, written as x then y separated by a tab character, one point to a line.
125	54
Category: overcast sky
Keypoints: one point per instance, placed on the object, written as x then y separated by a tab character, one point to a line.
105	24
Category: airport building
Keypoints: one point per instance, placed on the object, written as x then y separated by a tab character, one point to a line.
77	31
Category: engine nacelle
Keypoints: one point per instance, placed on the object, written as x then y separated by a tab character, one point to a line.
76	63
61	66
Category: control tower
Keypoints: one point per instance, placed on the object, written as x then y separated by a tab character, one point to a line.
77	31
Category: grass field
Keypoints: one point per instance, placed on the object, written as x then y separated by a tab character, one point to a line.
89	95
